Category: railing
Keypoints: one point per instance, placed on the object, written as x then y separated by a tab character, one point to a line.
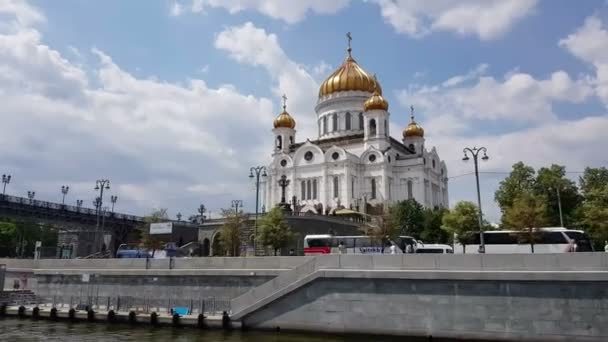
66	207
206	305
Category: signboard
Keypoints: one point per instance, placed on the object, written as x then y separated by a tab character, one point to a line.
161	228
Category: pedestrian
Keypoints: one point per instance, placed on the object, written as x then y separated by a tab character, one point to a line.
606	246
393	248
341	248
292	252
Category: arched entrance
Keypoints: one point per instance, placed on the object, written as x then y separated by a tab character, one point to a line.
206	247
217	246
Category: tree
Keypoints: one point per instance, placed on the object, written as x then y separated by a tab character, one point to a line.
461	221
548	182
8	237
527	214
383	227
594	210
431	226
231	231
408	217
521	179
150	241
274	231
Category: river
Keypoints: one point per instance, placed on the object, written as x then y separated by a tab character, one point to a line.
16	330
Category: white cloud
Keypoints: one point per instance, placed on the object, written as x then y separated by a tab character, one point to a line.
251	45
176	9
23	15
155	140
590	44
488	19
288	11
518	97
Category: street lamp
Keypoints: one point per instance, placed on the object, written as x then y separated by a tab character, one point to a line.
236	204
179	216
100	185
5	180
113	199
78	204
202	210
64	190
258	171
475	153
31	195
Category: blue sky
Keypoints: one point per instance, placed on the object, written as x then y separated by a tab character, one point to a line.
174	100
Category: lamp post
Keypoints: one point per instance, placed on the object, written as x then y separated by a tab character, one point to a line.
236	204
113	199
475	153
179	216
31	195
256	172
202	210
6	179
100	185
78	204
64	191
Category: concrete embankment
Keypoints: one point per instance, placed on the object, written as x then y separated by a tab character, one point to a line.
557	297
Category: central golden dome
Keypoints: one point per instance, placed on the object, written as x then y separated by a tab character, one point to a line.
349	76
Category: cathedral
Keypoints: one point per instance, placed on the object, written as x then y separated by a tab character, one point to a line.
354	163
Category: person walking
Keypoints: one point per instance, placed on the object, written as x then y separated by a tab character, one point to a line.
606	246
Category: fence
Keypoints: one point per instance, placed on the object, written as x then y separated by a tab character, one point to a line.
208	306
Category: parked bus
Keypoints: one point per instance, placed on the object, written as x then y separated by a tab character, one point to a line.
550	240
330	244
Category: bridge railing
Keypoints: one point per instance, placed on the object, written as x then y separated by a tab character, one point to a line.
66	207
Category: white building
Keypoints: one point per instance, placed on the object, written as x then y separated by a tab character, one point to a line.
353	163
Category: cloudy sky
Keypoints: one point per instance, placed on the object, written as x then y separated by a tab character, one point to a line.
173	100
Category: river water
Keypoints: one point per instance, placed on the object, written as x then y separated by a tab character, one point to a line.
16	330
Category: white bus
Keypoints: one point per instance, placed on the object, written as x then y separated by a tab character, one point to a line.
551	240
330	244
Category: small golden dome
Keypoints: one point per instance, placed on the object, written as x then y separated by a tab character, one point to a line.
376	101
349	76
413	129
284	119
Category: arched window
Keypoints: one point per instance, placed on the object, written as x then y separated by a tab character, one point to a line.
433	163
372	128
314	189
279	142
325	125
291	140
352	188
336	187
347	122
410	190
334	122
373	188
303	190
361	121
412	147
308	190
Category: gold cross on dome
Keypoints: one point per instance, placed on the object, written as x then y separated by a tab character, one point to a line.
412	113
350	38
284	101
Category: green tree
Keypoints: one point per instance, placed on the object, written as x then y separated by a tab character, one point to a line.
594	210
8	237
431	226
231	231
520	180
461	221
408	216
527	214
150	241
382	227
548	182
274	231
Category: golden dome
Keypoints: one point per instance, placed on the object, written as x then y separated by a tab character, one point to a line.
284	119
376	101
413	129
349	76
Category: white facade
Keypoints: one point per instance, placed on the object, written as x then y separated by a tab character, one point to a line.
353	161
